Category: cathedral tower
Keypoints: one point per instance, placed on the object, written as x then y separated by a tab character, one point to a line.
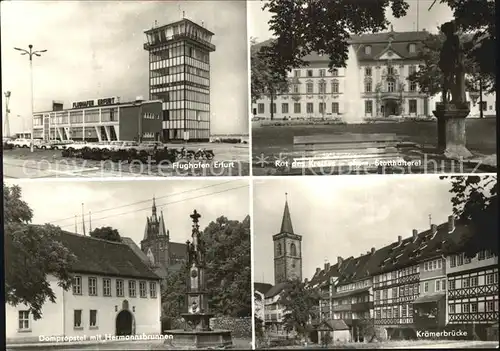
287	251
156	241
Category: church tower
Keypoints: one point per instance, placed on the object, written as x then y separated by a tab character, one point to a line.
287	251
156	241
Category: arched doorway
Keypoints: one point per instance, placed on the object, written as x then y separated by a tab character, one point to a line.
124	321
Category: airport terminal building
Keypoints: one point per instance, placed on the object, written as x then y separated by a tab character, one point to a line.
179	96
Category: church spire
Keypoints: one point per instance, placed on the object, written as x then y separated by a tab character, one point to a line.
286	223
153	209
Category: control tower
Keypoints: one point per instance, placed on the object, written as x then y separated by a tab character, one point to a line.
179	75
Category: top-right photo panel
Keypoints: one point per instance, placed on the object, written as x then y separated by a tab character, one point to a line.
373	87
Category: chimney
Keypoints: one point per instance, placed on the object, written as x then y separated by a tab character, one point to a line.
318	270
400	239
327	266
451	224
434	229
415	234
339	261
373	250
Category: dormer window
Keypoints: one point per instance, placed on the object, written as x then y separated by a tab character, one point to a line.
368	50
412	48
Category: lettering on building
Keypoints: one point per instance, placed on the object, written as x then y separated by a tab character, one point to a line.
150	116
148	135
95	102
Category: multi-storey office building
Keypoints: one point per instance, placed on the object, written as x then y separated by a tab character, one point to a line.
179	75
382	64
104	119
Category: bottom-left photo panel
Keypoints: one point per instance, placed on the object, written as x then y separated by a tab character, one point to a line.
139	264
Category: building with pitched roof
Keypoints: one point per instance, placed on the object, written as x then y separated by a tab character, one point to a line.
165	256
385	62
114	292
422	282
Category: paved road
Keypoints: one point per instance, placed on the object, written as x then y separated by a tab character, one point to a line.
230	160
458	345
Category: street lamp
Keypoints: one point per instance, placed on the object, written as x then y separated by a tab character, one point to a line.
7	111
30	54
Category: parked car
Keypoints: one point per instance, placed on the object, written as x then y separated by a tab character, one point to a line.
20	142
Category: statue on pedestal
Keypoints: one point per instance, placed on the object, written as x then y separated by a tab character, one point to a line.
451	113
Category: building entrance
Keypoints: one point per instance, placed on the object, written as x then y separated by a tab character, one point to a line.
124	323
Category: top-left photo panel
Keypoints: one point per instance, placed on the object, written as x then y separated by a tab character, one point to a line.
124	89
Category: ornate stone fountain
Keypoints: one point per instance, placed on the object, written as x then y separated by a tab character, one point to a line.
198	333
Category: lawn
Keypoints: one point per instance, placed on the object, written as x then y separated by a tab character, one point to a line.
481	134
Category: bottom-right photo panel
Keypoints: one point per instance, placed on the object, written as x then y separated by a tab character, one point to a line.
376	262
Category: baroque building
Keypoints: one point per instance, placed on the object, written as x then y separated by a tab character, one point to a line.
378	71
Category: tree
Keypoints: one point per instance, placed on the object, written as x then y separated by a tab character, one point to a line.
298	303
475	203
227	269
265	81
325	27
106	233
32	253
228	266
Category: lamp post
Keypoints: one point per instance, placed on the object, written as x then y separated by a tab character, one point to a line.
30	54
7	111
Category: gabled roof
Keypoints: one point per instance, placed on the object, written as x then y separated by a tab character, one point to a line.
158	269
275	290
103	257
332	325
262	287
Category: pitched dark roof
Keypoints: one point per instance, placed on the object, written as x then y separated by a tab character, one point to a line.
275	290
286	222
262	287
158	269
102	257
333	324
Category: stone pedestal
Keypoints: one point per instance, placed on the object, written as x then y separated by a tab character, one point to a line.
187	339
451	130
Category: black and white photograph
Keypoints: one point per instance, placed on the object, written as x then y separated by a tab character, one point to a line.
376	262
125	88
96	265
388	87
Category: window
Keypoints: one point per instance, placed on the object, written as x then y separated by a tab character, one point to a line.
437	284
390	70
368	106
260	108
473	307
296	88
335	87
396	311
368	71
77	318
390	86
426	266
284	108
296	107
412	105
426	287
410	310
278	249
412	70
310	108
309	88
293	249
403	311
434	265
411	48
413	86
119	288
443	284
465	283
273	107
377	295
152	290
77	285
473	281
131	288
401	291
368	87
322	107
489	279
93	319
481	255
142	289
378	314
296	73
368	50
24	320
460	260
453	261
92	286
490	306
309	72
451	308
483	106
321	72
335	72
394	292
106	287
322	87
389	313
386	294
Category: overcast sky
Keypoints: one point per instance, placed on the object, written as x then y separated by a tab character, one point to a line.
95	49
344	215
258	20
130	202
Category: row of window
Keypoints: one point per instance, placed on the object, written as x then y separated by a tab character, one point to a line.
297	108
396	274
181	115
461	259
353	286
321	73
182	95
351	300
166	71
119	287
177	50
467	282
293	250
404	290
439	285
433	265
473	307
24	320
389	86
178	77
401	311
